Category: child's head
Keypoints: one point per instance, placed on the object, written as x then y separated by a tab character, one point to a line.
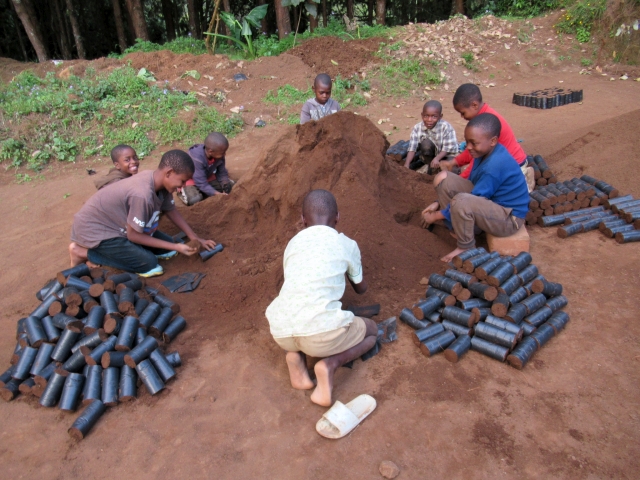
322	88
482	134
320	208
431	113
125	159
215	146
176	167
467	100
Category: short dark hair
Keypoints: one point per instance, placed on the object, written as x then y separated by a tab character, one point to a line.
320	203
465	94
433	104
117	151
487	122
322	79
177	160
217	139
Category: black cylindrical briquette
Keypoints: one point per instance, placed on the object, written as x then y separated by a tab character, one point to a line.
127	334
207	254
162	366
149	376
511	284
161	322
22	367
538	317
90	341
43	358
437	344
174	359
543	334
141	304
445	284
423	334
75	362
458	348
93	385
149	315
94	320
459	316
108	302
112	359
409	318
558	320
495	335
175	327
141	351
489	349
534	302
516	313
464	278
523	352
35	331
556	303
71	392
44	375
423	308
87	420
504	325
110	380
128	388
95	356
53	390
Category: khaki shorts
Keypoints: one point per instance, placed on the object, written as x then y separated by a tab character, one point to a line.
325	344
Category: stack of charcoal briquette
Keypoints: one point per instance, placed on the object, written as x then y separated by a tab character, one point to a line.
584	204
86	345
547	98
497	305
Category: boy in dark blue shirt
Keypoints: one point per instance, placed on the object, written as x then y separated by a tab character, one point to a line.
494	199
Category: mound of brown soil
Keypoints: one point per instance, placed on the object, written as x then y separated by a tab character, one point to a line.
379	203
349	57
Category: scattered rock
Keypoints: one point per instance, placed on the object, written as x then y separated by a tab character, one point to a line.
424	281
388	469
91	171
240	77
259	123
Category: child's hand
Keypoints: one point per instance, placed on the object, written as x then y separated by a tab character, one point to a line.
431	208
185	249
207	244
435	163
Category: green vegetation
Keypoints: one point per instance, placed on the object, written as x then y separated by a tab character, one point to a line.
469	61
241	29
179	45
90	115
512	8
580	18
399	77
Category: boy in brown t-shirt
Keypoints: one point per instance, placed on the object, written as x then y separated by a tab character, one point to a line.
116	226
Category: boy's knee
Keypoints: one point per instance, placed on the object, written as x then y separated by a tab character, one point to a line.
463	203
372	327
439	178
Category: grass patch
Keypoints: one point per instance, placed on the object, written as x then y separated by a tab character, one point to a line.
469	61
62	119
400	77
179	45
580	17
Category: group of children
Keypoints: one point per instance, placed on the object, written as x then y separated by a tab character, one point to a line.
490	194
118	225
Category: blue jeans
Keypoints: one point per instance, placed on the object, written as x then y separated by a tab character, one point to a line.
123	254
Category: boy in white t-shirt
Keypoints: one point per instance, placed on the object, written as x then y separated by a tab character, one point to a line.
307	317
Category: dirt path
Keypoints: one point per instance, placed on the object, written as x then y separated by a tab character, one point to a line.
572	413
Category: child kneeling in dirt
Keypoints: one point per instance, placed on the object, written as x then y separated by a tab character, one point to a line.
210	177
322	105
125	163
432	140
117	226
306	318
494	199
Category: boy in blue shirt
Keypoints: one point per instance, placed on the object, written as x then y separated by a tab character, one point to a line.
494	199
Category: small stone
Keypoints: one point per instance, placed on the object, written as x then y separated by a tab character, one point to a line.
388	469
424	281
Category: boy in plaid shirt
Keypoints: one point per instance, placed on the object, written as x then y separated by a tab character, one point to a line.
432	140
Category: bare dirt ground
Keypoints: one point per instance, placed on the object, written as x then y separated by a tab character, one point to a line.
571	413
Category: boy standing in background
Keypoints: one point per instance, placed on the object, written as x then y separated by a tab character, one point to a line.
322	105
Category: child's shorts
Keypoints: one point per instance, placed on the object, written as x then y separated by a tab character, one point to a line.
325	344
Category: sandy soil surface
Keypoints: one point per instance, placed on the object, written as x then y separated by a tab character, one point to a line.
571	413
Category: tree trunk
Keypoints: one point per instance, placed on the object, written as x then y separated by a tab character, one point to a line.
282	18
29	24
75	26
264	27
370	12
136	12
16	22
194	25
117	13
460	6
350	9
313	23
325	19
62	37
381	11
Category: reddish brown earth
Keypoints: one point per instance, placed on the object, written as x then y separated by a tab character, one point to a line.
230	413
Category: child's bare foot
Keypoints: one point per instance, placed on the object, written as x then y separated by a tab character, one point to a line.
77	254
324	374
447	258
298	372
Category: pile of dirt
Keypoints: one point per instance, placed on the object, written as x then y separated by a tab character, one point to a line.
379	202
336	57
